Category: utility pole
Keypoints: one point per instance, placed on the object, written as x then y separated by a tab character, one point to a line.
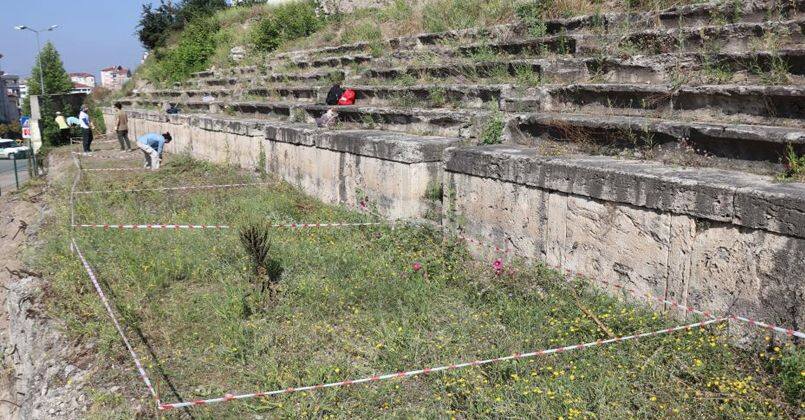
39	52
41	78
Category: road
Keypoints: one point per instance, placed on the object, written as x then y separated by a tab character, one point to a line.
7	173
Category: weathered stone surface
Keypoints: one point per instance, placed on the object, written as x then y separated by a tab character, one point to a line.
237	53
717	195
391	170
731	146
710	265
397	147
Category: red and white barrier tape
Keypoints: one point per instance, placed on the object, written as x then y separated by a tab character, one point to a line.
111	313
193	187
411	373
97	156
152	226
113	169
202	227
787	331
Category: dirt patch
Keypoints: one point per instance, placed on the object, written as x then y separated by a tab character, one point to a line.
45	374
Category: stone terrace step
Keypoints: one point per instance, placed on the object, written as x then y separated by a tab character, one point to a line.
695	15
439	122
732	38
661	68
736	37
724	196
748	68
779	102
737	146
257	79
397	147
723	38
423	96
334	62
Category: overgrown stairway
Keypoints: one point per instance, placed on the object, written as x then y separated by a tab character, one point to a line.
706	85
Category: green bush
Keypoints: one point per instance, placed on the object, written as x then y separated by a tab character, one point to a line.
445	15
285	22
493	130
532	15
793	375
192	52
11	130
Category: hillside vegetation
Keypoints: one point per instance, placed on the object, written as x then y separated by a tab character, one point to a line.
204	40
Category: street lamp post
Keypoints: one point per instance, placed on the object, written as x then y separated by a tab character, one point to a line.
41	77
39	52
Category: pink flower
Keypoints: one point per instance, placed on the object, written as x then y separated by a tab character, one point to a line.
363	205
416	266
498	266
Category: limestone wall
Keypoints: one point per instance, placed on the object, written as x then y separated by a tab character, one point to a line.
712	239
701	239
390	172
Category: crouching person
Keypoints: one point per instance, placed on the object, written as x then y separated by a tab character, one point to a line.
152	144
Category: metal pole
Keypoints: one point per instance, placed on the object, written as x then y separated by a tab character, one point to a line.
30	159
41	69
33	155
42	105
16	176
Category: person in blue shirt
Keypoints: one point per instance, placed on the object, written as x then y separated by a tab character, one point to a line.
152	144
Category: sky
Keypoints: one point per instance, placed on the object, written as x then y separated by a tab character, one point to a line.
92	34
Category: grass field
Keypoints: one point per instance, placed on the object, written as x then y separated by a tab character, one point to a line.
352	303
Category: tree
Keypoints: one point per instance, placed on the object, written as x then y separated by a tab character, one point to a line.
156	24
192	9
56	78
57	82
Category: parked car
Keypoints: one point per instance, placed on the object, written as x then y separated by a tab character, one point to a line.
11	149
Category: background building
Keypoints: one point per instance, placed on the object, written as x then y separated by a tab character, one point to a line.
85	79
12	90
9	88
82	88
23	90
113	78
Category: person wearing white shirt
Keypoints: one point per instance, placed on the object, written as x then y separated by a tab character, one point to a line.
86	127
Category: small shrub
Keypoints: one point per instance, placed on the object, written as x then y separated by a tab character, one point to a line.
335	77
776	73
405	80
527	76
11	130
404	100
794	165
483	53
298	115
367	31
286	22
531	14
368	121
267	271
445	15
792	372
192	52
438	97
434	191
493	130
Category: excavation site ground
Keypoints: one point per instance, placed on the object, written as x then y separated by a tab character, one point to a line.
377	319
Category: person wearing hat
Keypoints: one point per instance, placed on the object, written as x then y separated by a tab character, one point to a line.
64	129
152	144
86	127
